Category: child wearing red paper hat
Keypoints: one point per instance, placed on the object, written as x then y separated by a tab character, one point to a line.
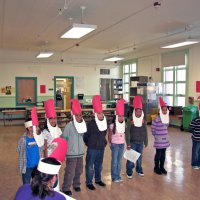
159	128
73	133
51	129
136	137
116	138
30	147
42	184
95	140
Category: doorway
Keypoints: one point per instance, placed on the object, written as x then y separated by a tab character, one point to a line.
63	91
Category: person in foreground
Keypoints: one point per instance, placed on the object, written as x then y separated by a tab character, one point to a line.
95	140
42	184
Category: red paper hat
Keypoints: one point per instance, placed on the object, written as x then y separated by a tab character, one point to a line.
120	107
49	108
76	106
60	151
161	102
34	117
96	103
137	102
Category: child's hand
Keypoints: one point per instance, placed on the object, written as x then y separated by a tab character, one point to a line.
128	147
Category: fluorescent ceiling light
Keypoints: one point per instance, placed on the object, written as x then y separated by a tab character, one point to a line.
114	58
79	30
180	44
44	54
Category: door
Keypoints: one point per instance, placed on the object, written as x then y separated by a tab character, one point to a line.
64	91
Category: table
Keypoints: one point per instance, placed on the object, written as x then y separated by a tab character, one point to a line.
10	113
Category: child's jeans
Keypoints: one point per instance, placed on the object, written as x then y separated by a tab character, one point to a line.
117	153
30	172
195	153
130	165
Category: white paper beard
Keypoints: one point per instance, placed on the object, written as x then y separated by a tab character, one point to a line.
38	138
138	120
102	125
164	118
54	131
120	127
80	126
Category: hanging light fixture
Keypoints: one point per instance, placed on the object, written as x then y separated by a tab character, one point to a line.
79	30
181	43
114	58
44	54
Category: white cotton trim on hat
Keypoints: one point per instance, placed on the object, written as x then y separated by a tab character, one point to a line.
120	127
28	124
54	131
138	120
80	127
164	118
48	168
102	125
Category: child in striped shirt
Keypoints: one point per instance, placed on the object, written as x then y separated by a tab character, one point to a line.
159	130
195	128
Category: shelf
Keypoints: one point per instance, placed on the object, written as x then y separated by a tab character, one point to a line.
133	87
116	89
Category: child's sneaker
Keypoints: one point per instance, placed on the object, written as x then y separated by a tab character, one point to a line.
140	173
195	167
164	171
129	176
118	181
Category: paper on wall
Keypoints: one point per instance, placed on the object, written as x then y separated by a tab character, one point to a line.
131	155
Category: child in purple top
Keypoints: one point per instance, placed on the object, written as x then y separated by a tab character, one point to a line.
159	130
42	184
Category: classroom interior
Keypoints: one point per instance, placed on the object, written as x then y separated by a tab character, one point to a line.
133	31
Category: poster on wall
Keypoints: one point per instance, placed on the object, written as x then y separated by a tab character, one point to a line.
197	86
3	90
8	90
42	89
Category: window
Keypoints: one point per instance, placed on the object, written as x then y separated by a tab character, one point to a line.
129	70
174	84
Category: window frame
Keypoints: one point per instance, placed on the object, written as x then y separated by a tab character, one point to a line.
130	74
175	81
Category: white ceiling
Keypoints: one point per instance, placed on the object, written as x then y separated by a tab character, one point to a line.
124	26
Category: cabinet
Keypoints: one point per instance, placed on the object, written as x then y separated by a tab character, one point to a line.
149	93
116	89
111	89
133	86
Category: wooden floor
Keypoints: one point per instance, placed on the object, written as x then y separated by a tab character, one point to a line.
181	182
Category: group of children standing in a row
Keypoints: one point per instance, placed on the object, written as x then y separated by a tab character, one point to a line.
76	132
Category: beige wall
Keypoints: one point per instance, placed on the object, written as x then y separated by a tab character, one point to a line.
147	66
194	71
148	61
87	76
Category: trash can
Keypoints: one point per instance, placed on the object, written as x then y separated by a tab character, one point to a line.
190	112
